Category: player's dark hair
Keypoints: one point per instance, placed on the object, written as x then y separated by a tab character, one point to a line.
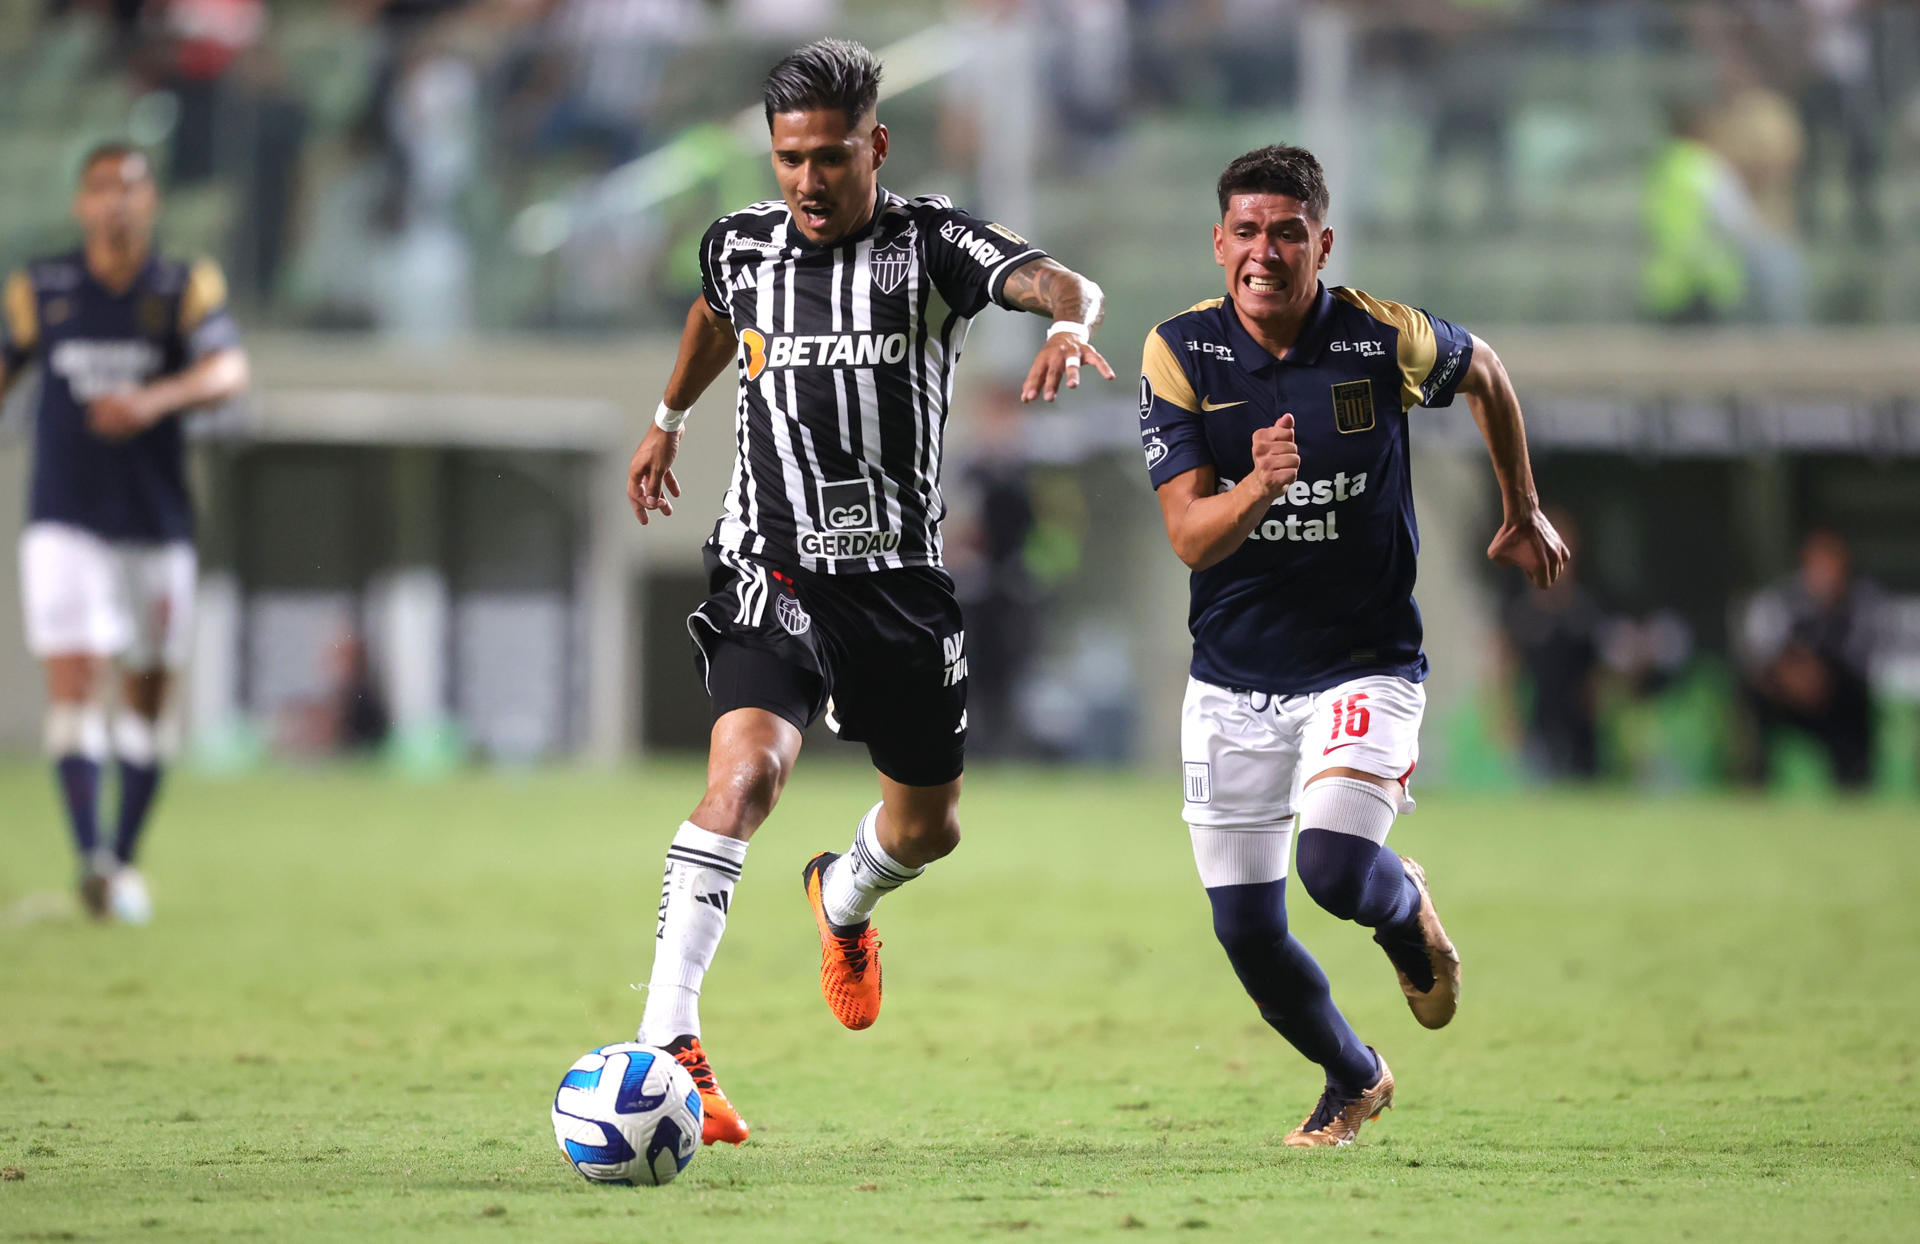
113	149
1278	169
829	73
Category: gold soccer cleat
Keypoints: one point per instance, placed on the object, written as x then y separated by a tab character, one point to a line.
1336	1119
1435	1004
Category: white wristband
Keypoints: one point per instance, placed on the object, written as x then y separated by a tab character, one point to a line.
668	420
1072	328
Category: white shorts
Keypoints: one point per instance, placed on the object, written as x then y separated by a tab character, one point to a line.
1245	755
85	594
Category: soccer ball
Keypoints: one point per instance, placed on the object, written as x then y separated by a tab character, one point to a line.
627	1114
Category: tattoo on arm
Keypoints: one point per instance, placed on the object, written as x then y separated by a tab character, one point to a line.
1047	287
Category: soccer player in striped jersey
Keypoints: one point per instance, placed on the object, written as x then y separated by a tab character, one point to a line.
126	340
1274	422
843	308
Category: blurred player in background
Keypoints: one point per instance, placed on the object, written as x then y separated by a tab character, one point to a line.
844	307
126	340
1305	693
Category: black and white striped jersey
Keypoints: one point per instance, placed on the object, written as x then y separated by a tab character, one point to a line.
846	363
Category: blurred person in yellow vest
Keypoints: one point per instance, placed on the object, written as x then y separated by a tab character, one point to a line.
1698	218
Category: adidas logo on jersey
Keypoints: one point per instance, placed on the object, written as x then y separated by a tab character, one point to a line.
821	350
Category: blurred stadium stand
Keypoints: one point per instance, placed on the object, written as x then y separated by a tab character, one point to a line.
459	239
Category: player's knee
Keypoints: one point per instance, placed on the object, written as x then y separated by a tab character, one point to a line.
1343	822
76	729
741	797
1249	920
932	835
72	680
140	740
1332	868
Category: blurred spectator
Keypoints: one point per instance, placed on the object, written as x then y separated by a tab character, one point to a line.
349	718
1699	223
593	74
430	122
1840	109
1089	63
992	580
235	119
1806	646
1556	640
1756	128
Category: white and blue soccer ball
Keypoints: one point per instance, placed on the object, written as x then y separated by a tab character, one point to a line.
627	1114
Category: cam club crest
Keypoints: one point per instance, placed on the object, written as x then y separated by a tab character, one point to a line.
1353	406
889	263
792	615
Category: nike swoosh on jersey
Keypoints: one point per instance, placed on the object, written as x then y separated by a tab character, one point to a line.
1337	746
1209	404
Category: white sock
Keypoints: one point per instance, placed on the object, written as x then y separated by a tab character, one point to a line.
857	881
695	892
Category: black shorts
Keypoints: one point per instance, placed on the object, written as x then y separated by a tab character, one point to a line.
882	654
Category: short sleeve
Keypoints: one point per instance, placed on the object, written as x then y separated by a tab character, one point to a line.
713	282
206	323
19	321
1434	353
971	258
1171	434
1452	352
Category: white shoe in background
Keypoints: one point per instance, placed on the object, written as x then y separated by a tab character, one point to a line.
127	897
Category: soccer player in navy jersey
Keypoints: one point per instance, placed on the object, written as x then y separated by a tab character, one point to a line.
1274	422
125	339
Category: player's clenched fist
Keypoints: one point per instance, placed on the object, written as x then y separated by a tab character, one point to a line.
1276	457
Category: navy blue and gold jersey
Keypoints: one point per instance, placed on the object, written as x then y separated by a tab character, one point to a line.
89	342
1322	590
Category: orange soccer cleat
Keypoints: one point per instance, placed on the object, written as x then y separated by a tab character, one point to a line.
849	958
719	1120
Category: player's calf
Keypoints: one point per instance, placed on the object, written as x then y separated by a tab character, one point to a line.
77	743
1345	864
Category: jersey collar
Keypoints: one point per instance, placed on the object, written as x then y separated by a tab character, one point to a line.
1307	347
139	281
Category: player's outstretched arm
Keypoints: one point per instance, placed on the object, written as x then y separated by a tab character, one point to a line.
220	375
1205	525
1076	306
1525	539
706	347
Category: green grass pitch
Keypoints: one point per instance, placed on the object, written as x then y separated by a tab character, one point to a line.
1681	1020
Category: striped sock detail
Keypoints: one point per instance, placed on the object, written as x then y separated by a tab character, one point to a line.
696	893
857	881
884	874
677	854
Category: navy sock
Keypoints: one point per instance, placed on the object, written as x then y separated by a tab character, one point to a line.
1286	984
1357	879
79	779
1360	881
138	785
